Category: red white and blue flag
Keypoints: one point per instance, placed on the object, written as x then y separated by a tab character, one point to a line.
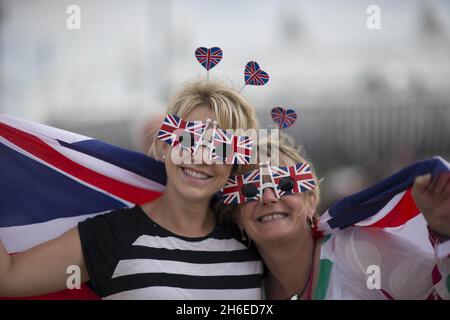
253	74
300	173
283	118
234	149
387	204
51	179
174	129
208	58
232	191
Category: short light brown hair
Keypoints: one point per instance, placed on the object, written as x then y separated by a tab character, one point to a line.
232	110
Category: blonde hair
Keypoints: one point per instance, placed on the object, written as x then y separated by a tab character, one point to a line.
287	151
231	109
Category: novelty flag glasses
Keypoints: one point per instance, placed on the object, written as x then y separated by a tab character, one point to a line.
188	135
283	180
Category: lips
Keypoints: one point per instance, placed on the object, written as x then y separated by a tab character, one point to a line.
196	174
272	217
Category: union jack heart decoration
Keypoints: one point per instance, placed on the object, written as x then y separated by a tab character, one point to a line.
254	75
208	57
283	118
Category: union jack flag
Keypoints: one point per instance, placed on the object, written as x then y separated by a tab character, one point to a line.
238	149
173	127
254	75
208	58
232	191
283	118
301	174
52	179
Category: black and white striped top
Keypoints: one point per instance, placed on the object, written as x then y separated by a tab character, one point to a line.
129	256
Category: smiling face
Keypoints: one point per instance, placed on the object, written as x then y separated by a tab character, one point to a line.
273	219
195	181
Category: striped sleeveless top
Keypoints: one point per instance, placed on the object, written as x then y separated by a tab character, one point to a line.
129	256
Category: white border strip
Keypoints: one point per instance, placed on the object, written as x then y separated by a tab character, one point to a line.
20	238
173	243
142	266
171	293
35	128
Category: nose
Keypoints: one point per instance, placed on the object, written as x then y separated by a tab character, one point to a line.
269	196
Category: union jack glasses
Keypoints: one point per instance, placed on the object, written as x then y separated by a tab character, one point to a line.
283	180
190	135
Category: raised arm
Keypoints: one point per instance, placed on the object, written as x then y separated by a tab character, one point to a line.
432	196
43	268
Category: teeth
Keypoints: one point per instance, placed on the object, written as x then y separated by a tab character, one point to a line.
274	216
195	174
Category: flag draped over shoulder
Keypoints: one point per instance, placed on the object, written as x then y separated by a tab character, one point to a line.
51	179
387	204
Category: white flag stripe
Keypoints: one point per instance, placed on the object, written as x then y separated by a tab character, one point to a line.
31	156
171	293
107	169
172	243
41	129
322	224
446	163
383	212
140	266
20	238
443	249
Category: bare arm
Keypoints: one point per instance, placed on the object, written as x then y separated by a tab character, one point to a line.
41	269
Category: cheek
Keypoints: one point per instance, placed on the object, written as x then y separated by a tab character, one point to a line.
246	211
222	172
294	202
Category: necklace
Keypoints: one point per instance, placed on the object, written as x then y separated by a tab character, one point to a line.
309	279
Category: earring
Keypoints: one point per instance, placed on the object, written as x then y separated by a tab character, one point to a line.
314	229
243	235
311	224
164	157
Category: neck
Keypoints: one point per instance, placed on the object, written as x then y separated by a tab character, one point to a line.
289	267
186	217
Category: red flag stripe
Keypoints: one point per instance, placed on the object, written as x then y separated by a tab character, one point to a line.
43	151
405	210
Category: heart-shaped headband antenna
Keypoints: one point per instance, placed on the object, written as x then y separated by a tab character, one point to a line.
283	118
208	57
254	75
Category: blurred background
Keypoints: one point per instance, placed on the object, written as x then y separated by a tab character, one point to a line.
369	101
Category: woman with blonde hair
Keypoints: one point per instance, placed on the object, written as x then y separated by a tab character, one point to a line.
351	263
170	248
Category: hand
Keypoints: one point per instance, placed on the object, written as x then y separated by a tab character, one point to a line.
432	197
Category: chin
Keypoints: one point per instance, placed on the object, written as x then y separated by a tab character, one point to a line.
276	235
276	231
194	194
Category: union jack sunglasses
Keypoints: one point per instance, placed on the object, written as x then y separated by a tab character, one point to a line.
189	135
283	180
